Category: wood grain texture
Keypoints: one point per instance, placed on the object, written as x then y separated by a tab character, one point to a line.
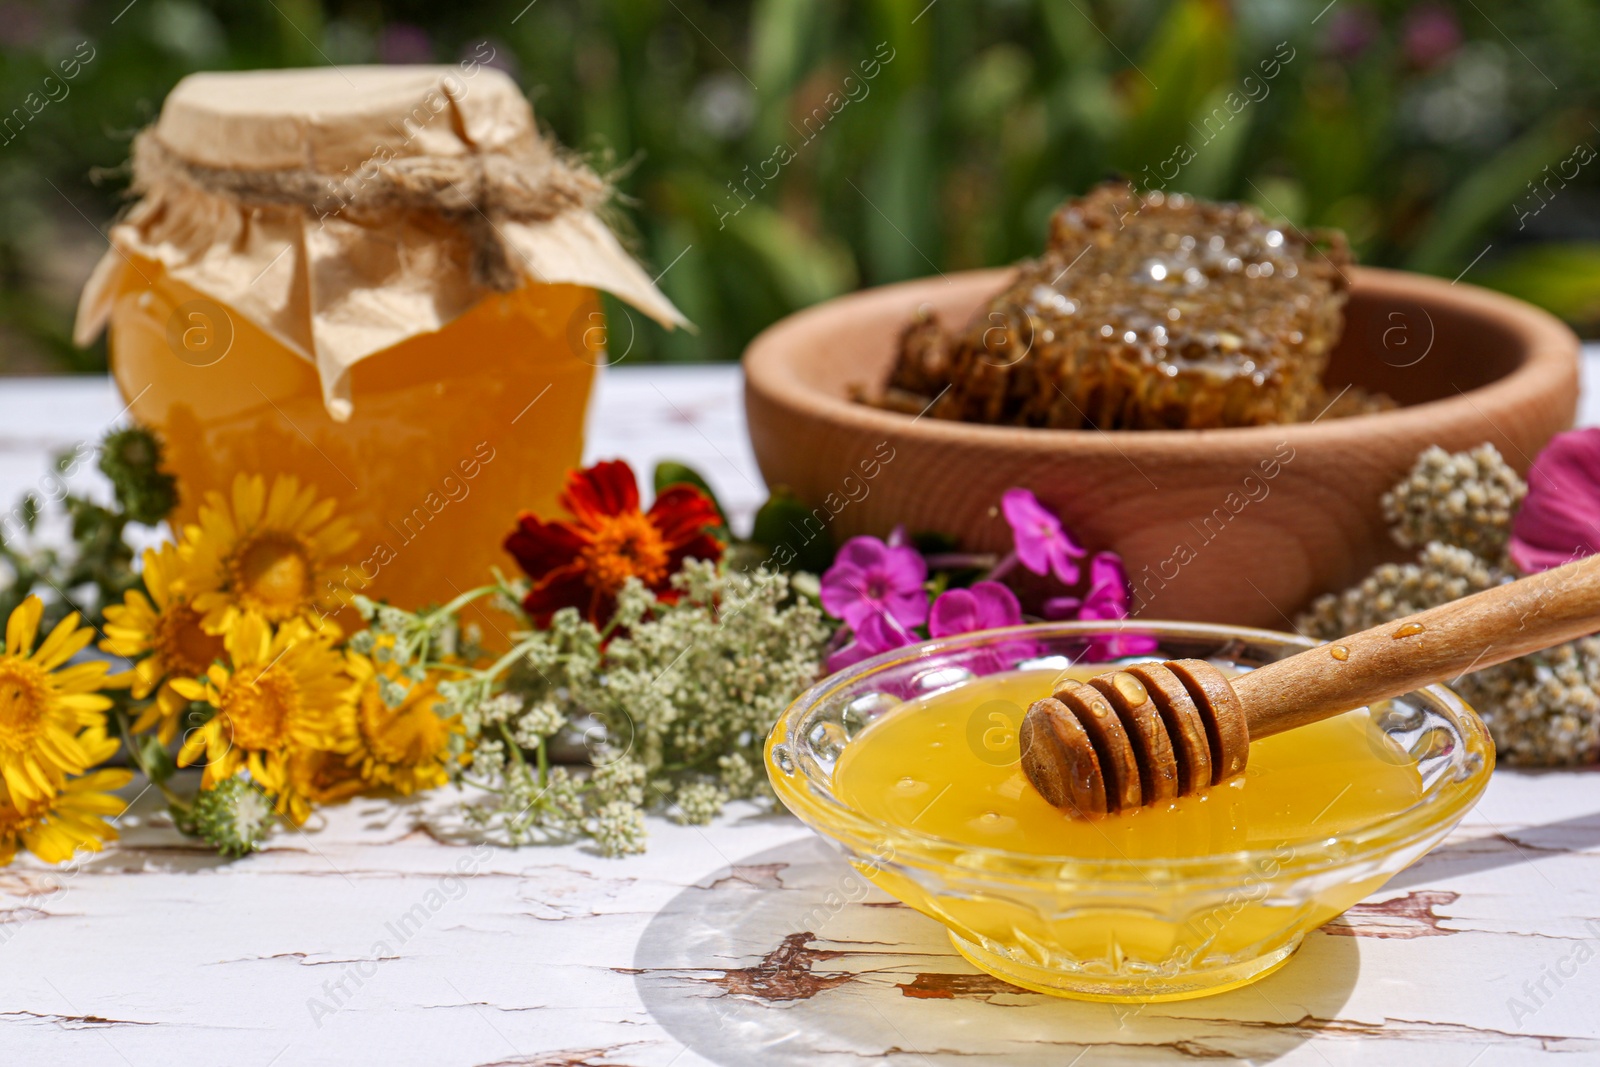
1437	645
1185	727
1241	525
381	937
1159	777
1432	646
747	942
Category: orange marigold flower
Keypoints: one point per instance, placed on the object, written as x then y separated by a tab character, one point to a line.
584	562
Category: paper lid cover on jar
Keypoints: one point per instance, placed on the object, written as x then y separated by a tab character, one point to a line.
344	210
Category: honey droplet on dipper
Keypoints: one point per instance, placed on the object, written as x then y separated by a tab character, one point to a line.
1339	652
1410	629
1132	690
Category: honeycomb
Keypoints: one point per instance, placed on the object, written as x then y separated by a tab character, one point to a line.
1148	310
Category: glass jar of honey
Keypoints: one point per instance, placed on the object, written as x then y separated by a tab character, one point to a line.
379	280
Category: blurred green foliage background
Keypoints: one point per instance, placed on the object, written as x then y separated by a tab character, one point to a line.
778	152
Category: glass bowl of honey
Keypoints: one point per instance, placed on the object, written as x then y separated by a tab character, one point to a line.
909	764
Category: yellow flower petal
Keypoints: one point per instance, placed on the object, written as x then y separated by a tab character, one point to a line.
189	689
249	494
62	643
23	625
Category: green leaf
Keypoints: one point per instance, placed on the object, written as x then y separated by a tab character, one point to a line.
670	472
991	86
779	33
805	268
896	199
156	760
1564	279
1488	192
1220	146
1190	55
797	536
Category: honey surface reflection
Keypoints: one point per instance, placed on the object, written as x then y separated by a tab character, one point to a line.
947	765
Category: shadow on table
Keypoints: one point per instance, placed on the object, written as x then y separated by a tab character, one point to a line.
1502	848
781	959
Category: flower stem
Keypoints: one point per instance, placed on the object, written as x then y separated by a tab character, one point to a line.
174	802
1006	565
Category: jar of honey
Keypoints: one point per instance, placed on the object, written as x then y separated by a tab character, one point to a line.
382	281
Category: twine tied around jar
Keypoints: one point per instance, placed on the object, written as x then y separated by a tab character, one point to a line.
475	192
343	212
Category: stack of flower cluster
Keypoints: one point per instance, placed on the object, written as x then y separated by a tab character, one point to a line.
1478	524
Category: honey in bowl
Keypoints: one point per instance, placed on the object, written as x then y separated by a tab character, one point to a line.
947	765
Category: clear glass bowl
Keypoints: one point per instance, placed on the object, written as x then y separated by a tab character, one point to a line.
1184	927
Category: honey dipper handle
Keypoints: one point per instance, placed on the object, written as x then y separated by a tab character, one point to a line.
1437	645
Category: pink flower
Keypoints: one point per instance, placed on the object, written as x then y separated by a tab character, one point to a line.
402	42
1351	31
1043	546
1107	599
985	606
869	578
1560	519
877	633
1430	36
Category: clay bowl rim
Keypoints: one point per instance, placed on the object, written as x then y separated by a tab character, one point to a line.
1548	351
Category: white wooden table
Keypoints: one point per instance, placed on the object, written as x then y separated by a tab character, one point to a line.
381	937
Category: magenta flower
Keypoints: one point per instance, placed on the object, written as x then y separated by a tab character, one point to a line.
1560	519
877	633
402	42
1107	598
870	578
1351	31
985	606
1430	36
1043	545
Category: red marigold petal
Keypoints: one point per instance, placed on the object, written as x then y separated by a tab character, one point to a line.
607	488
602	606
541	547
567	588
704	547
682	512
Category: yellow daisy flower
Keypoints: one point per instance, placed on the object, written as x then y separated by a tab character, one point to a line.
266	553
284	694
324	777
406	747
162	631
73	819
45	706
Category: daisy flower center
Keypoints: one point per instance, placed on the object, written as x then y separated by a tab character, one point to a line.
271	573
184	648
259	709
24	700
622	547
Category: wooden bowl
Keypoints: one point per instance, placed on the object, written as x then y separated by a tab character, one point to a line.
1241	526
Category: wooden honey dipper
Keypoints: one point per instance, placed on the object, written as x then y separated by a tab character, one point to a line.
1149	733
